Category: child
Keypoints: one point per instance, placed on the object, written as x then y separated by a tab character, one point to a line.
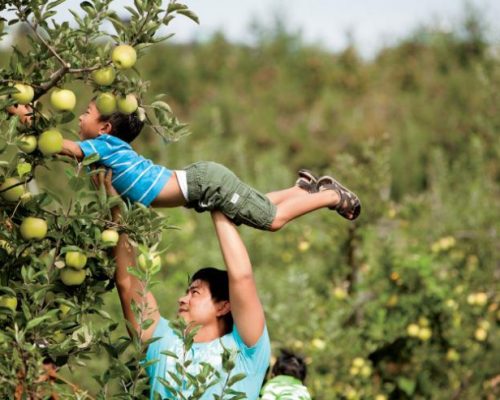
289	373
202	185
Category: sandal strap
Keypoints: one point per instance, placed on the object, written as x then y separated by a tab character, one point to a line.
348	204
307	181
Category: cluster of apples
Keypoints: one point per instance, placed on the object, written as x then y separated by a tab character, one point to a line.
73	274
123	57
420	330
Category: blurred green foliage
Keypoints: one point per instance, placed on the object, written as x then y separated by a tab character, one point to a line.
414	131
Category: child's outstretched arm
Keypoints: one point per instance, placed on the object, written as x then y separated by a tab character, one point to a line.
70	148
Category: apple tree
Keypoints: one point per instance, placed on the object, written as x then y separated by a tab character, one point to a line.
56	259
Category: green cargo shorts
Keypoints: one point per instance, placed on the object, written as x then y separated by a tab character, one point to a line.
212	186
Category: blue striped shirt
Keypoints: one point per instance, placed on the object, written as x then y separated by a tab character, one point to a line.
134	176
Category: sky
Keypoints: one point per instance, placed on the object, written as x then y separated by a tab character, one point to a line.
371	23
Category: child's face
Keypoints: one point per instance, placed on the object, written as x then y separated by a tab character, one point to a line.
90	126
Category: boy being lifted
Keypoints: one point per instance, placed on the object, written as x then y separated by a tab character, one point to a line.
204	186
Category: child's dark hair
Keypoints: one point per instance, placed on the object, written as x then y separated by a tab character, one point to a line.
123	126
290	364
218	283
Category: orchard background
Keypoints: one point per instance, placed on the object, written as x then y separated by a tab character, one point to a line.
403	303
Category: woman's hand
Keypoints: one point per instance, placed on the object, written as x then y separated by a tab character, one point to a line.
104	178
22	111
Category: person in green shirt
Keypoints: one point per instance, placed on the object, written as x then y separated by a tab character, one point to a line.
288	376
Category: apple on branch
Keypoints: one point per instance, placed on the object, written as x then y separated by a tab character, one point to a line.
25	94
63	99
50	142
110	237
27	143
71	276
75	259
15	192
124	56
33	228
106	103
104	76
128	104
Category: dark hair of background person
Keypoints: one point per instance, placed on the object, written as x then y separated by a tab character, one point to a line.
290	364
218	283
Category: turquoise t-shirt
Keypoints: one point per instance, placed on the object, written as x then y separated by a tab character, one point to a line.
252	361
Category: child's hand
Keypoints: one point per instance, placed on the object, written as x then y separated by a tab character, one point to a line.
22	111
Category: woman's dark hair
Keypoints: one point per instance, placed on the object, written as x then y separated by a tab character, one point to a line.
290	364
218	284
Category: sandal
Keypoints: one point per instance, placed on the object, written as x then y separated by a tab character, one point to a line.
307	181
349	203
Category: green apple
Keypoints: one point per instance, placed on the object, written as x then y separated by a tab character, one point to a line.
413	330
424	334
9	302
340	293
128	104
75	259
27	143
106	103
72	277
124	56
366	371
452	355
33	228
481	298
104	76
110	237
63	99
25	95
481	334
13	194
358	362
153	258
50	142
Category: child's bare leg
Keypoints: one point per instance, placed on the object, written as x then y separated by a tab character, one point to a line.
279	196
171	194
301	204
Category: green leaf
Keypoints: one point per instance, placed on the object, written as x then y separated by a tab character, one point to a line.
236	378
76	184
406	385
86	4
66	117
169	354
8	90
191	15
23	169
176	7
54	4
37	321
91	159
